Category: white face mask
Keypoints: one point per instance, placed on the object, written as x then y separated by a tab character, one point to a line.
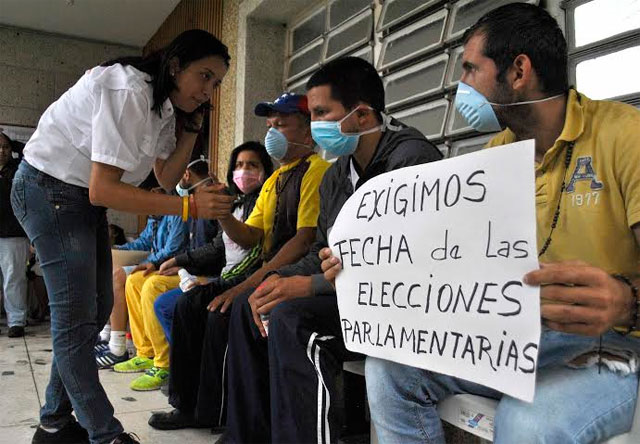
185	191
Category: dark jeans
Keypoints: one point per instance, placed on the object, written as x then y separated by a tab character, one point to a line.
197	381
71	238
164	307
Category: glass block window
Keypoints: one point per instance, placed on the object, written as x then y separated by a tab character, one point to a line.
466	146
309	30
342	10
428	118
444	149
364	53
333	28
395	11
349	36
299	87
413	40
416	81
466	12
454	71
416	48
306	61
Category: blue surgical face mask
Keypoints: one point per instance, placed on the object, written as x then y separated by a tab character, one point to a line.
276	144
329	136
478	111
182	191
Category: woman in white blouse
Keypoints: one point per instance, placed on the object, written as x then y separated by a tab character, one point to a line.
91	148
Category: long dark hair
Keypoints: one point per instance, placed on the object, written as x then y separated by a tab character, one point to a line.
260	150
191	45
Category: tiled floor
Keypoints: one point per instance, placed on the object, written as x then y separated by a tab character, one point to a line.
24	373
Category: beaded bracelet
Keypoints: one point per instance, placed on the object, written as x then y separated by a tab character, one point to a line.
635	317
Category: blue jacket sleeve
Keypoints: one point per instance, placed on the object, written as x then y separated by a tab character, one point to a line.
144	242
176	240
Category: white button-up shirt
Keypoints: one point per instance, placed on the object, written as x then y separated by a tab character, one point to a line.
105	117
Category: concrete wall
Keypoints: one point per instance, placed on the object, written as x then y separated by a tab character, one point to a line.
254	30
36	68
264	70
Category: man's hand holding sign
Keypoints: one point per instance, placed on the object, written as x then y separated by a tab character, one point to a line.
433	259
581	299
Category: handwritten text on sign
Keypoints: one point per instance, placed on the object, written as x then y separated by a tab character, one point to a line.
433	256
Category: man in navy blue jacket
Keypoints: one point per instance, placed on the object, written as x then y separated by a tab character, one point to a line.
301	365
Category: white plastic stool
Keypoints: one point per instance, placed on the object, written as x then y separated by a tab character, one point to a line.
474	414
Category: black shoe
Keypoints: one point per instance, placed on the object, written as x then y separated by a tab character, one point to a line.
174	420
224	439
218	430
127	438
16	331
72	433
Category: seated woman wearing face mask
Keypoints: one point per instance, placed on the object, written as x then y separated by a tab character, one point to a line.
218	263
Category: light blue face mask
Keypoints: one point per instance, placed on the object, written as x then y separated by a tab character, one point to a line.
329	136
182	191
478	111
276	144
185	191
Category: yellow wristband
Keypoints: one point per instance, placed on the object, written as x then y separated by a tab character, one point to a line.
185	208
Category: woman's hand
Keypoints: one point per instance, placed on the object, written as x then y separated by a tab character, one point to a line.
193	122
212	202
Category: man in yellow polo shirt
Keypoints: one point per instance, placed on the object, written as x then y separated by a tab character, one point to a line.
588	218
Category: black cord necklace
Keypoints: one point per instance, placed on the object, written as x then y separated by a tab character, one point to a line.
556	215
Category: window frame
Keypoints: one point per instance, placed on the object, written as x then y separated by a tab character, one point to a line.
609	45
415	68
449	46
365	14
429	19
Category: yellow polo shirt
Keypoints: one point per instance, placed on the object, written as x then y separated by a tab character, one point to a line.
263	214
602	198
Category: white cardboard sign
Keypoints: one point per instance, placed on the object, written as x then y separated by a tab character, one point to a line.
433	258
